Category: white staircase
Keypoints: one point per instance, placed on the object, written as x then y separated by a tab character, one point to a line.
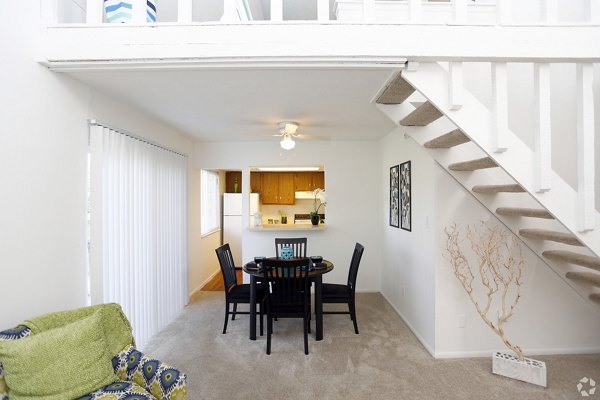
513	181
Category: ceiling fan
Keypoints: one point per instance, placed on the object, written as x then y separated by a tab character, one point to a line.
287	131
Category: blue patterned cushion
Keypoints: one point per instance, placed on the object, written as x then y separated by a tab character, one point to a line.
19	332
119	390
161	380
286	252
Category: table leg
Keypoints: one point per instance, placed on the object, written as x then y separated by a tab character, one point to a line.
318	307
252	307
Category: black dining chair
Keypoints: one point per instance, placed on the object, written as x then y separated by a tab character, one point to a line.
288	293
335	293
237	293
298	245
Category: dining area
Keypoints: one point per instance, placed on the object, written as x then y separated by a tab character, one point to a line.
288	284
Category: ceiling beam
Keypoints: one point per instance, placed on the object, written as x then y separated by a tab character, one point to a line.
256	44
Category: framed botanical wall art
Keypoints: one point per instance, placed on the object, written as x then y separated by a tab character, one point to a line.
405	197
394	197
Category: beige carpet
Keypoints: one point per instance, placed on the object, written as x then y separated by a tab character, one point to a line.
385	361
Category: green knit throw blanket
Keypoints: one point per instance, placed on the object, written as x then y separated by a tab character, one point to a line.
116	325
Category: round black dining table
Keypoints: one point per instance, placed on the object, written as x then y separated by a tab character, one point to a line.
316	275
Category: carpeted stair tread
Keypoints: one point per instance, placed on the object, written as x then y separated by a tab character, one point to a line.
488	189
473	165
396	92
543	234
524	212
586	277
595	297
425	114
450	139
573	258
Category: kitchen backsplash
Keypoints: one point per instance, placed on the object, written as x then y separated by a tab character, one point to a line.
302	206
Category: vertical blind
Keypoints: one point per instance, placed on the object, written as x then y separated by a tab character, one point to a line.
209	201
138	245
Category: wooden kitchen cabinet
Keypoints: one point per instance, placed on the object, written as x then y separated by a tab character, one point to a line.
270	188
278	188
309	181
256	182
231	177
302	181
318	180
287	193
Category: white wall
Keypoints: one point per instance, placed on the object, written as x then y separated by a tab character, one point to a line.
121	115
203	260
597	137
550	318
352	171
529	11
43	156
408	258
71	11
43	143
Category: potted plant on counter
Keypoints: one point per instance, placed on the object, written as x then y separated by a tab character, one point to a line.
319	201
283	216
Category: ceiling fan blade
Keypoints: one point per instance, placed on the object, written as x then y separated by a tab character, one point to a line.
303	136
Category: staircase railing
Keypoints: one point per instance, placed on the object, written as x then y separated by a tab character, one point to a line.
456	12
530	166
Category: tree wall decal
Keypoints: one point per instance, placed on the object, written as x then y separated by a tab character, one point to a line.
499	272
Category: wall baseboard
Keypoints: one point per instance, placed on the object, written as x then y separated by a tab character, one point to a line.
412	329
528	352
194	293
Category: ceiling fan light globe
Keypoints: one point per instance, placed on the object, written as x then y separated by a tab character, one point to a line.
287	143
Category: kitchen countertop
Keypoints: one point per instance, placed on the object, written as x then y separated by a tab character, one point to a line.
288	227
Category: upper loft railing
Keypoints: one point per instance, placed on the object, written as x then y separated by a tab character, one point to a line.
451	12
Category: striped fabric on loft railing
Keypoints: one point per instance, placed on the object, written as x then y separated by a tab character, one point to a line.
138	219
121	11
150	11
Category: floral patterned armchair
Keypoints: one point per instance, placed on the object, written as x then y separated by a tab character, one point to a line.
139	377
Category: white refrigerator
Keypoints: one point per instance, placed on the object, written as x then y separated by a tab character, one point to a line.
232	222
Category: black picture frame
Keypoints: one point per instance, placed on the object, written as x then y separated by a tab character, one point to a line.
394	196
405	196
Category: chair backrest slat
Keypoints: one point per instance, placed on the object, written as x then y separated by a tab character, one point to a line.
297	244
354	264
227	266
288	281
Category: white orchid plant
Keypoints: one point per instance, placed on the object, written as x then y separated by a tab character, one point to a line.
320	200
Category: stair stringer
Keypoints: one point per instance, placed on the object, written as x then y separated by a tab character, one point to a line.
475	120
445	157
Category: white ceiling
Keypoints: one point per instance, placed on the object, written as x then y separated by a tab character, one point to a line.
247	104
